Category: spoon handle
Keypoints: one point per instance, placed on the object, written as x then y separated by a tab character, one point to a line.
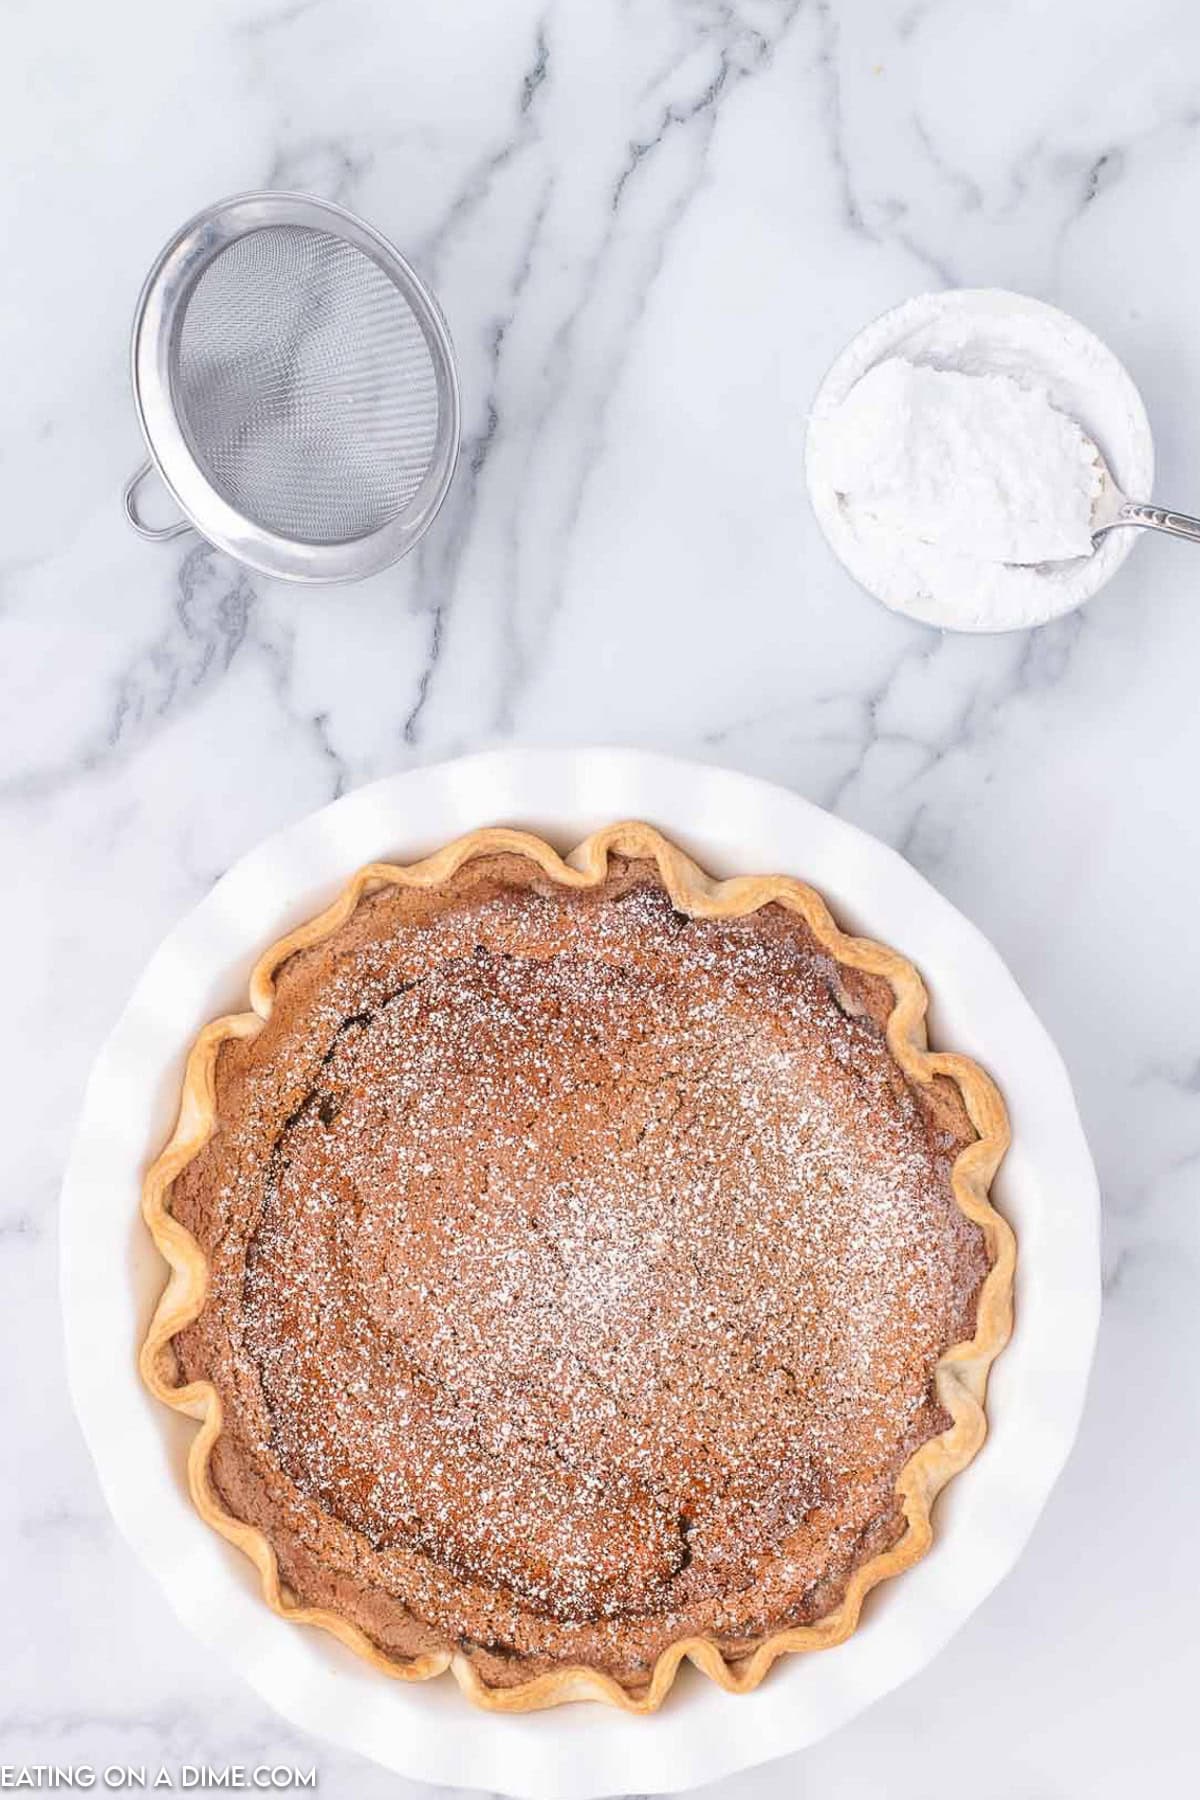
1154	518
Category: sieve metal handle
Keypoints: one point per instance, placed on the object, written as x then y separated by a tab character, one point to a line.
157	534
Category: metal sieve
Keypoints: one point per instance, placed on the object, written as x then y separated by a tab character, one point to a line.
296	389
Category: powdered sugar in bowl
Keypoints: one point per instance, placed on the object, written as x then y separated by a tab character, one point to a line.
1054	360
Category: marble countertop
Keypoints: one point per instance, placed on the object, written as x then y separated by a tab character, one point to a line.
652	223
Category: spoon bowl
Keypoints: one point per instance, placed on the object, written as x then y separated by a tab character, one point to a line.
1114	510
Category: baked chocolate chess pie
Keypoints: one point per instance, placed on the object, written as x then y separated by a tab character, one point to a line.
578	1266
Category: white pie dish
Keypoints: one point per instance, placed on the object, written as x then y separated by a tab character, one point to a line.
732	824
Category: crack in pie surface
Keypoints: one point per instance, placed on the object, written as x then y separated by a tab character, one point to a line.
577	1266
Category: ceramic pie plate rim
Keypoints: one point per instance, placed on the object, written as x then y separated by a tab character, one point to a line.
429	1732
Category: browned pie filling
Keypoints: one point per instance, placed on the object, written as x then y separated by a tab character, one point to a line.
578	1271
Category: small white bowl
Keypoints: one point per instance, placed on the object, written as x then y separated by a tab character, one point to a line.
989	331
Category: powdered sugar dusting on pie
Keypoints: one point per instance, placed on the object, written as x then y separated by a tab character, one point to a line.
578	1272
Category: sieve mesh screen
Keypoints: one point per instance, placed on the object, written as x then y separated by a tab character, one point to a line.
304	385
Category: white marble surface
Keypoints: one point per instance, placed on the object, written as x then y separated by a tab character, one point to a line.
652	223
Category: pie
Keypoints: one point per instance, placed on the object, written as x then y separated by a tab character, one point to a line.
578	1266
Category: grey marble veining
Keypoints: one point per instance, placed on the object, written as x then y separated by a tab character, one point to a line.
652	223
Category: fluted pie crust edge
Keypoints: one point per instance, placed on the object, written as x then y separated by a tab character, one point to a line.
961	1374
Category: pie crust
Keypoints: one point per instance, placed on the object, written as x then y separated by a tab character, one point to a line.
956	1381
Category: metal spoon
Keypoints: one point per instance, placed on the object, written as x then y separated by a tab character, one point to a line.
1112	509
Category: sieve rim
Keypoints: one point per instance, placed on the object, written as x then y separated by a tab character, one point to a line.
165	292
